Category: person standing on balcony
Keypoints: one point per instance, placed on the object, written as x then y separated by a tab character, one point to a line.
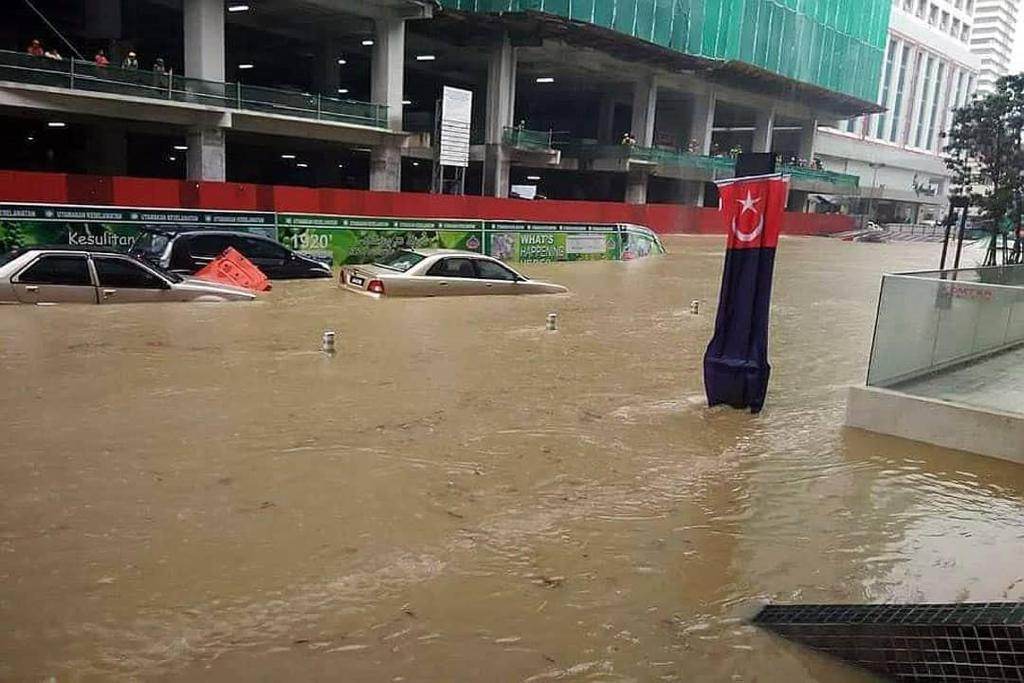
53	54
101	58
131	61
35	48
158	66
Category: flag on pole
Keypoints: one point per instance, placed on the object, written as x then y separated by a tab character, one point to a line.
736	368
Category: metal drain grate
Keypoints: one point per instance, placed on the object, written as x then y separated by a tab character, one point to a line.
949	642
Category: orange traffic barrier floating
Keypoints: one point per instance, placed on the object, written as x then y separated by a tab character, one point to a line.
232	268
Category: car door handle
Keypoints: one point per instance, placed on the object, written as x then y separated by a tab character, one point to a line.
488	284
31	288
442	284
107	293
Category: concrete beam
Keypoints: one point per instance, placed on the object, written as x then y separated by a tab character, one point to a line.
379	9
298	127
45	98
204	39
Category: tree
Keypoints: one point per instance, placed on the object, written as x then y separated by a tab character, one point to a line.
985	148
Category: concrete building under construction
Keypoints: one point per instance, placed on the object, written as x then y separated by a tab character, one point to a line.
343	93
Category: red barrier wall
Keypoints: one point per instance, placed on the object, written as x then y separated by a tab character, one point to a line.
59	188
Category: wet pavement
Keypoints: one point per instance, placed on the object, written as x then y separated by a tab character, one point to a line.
995	382
196	492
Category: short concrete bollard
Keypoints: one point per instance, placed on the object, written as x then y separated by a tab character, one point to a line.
327	344
552	322
695	307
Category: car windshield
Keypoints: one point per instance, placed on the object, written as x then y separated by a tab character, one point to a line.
400	260
173	277
9	256
150	244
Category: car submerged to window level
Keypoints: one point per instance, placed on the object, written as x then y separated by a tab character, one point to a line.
58	275
440	272
189	250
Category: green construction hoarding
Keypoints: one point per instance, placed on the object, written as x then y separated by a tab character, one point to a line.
834	44
331	238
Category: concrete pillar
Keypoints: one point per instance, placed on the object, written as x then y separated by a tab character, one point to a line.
107	148
764	126
387	75
501	102
204	39
606	132
206	155
388	69
386	168
808	134
702	122
636	187
204	58
645	103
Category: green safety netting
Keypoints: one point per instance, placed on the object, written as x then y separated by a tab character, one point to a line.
835	44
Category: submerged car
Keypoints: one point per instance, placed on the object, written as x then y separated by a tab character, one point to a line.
188	251
44	275
440	272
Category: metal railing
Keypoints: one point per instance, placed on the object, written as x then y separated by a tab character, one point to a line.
821	176
652	155
521	138
76	74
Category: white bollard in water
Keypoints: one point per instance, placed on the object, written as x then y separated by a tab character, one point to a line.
695	307
552	322
327	344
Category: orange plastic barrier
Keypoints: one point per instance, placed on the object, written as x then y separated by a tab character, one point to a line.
232	268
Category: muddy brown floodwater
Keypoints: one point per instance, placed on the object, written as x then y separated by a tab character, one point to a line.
195	492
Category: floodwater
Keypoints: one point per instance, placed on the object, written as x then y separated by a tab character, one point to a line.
195	492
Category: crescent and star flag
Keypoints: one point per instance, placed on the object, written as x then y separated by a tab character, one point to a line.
736	368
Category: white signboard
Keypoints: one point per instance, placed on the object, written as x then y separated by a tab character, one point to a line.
584	244
523	191
456	113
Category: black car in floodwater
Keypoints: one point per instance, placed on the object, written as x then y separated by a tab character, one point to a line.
189	250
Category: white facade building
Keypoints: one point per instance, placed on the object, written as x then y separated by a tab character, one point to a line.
929	70
993	38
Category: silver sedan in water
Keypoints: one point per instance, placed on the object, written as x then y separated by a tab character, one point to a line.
44	275
440	272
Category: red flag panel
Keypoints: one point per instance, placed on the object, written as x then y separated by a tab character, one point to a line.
753	209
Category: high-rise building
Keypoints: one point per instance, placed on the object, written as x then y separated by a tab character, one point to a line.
928	71
995	31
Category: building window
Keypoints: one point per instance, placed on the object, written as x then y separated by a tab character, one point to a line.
883	99
922	106
933	117
898	102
